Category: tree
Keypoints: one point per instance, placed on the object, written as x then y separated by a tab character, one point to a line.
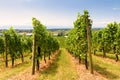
94	42
113	27
43	42
77	37
108	39
1	45
14	48
5	34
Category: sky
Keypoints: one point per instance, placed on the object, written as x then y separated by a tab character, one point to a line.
57	13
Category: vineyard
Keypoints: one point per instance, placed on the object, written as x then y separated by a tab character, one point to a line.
85	53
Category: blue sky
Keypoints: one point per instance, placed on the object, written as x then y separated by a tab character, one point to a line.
57	12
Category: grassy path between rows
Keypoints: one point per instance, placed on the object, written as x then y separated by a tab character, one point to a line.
106	68
13	71
61	69
8	72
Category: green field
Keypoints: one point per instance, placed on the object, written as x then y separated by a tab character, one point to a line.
106	68
61	69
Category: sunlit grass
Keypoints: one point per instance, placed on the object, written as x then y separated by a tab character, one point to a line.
108	55
19	66
61	40
106	68
4	75
61	69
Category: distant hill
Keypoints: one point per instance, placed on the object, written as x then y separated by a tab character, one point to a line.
29	29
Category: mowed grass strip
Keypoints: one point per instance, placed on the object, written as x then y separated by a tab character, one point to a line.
61	69
108	55
107	69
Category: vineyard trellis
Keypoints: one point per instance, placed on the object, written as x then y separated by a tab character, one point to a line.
16	45
107	40
43	44
78	41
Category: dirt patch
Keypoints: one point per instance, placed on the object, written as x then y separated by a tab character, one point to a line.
83	73
26	74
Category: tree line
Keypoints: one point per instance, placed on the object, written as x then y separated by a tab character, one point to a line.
79	39
44	44
107	40
14	45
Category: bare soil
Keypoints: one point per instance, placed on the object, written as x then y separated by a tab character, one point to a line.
83	73
80	68
26	74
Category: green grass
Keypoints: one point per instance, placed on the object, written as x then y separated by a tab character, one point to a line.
61	69
61	40
7	72
13	71
109	70
108	55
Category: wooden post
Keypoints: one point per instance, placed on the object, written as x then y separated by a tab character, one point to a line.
33	54
89	45
38	55
6	54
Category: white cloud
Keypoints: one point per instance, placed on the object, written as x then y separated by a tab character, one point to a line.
48	18
102	22
25	18
115	8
